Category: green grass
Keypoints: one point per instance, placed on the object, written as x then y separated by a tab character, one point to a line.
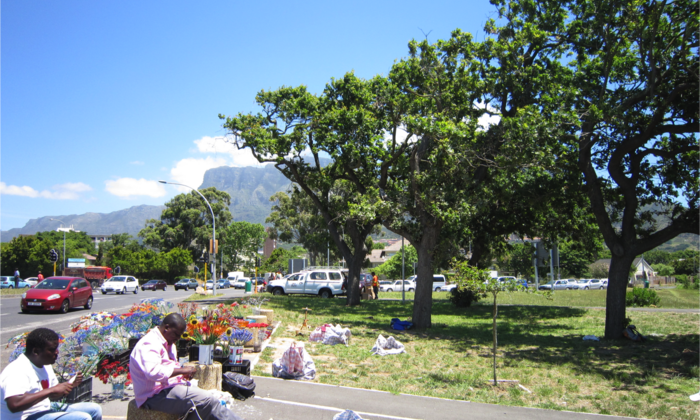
670	298
540	346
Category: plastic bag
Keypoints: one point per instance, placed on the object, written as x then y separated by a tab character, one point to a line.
384	346
295	363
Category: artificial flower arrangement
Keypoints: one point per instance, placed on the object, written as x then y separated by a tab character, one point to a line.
113	372
207	329
237	338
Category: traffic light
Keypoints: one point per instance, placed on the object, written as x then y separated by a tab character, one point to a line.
53	255
206	257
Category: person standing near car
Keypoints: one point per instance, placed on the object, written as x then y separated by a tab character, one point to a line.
375	285
16	278
39	278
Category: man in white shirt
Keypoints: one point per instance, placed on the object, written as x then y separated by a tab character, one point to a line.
28	384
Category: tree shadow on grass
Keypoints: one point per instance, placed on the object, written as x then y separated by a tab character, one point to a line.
538	334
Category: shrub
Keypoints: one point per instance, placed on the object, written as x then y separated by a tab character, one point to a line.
463	298
642	297
685	282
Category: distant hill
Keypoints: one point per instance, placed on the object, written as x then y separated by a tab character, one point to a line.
250	189
129	220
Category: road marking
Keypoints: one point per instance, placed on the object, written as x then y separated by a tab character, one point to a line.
5	314
339	410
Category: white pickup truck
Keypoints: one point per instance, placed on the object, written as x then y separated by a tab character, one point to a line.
323	282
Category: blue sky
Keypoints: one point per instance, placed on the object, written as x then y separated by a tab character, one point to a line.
102	99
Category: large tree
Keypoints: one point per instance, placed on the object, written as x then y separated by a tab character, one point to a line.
635	71
241	241
296	130
296	219
186	222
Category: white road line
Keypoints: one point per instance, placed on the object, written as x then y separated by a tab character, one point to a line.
339	410
5	314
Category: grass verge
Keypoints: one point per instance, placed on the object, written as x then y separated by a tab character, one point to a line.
539	346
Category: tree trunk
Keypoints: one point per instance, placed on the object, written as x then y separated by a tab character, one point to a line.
423	303
615	302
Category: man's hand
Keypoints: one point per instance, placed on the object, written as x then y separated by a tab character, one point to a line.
78	379
61	390
189	372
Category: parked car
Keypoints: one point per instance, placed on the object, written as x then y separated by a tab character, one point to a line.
604	283
58	294
240	283
557	285
571	284
365	280
210	284
155	285
8	282
448	287
31	281
586	284
186	284
395	286
505	279
323	282
223	284
120	285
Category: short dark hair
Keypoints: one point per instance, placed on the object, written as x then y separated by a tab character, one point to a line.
174	320
40	339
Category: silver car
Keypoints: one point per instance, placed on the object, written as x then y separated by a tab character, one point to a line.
587	284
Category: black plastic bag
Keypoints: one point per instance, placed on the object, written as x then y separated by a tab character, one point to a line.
241	387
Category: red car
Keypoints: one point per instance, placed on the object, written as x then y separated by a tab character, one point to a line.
155	285
58	294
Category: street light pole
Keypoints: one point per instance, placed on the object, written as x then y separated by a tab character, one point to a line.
213	223
64	244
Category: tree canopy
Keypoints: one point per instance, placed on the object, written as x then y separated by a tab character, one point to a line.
186	222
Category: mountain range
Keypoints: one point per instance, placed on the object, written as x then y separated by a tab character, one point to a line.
250	189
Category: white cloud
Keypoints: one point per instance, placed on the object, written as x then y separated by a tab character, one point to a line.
191	171
68	191
219	145
130	187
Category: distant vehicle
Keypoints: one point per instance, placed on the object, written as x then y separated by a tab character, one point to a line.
395	286
365	280
234	275
120	285
210	285
448	287
186	284
32	281
586	284
519	282
8	282
438	281
95	275
223	284
240	283
557	285
604	283
155	285
58	294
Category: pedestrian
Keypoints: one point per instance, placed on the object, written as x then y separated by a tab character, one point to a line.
39	278
375	285
16	278
160	383
28	384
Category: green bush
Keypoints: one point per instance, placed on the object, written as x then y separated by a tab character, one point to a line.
642	297
463	298
685	282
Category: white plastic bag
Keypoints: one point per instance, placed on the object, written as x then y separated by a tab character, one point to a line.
295	363
384	346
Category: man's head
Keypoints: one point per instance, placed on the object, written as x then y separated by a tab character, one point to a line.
42	347
172	327
372	273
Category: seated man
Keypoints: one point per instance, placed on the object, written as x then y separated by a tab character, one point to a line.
161	384
28	384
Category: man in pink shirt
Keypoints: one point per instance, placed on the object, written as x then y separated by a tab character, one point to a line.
161	384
